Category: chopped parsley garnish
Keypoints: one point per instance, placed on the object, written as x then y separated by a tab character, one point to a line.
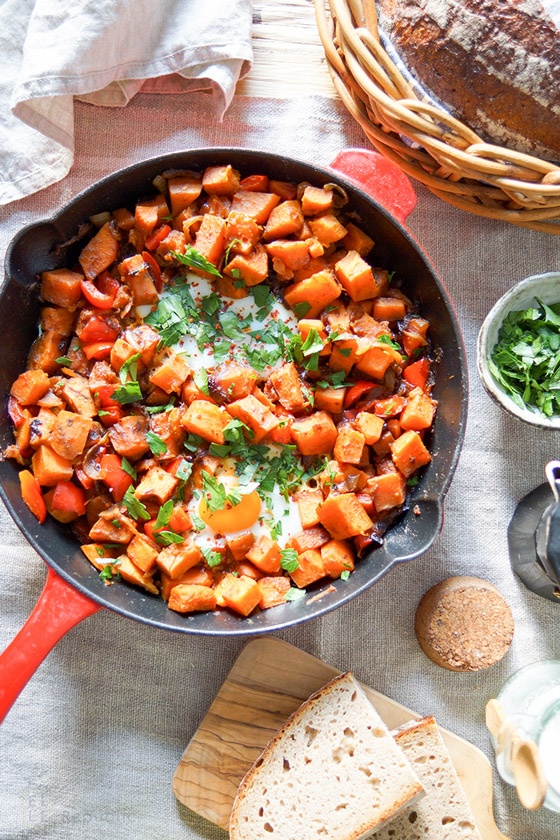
193	442
134	506
301	309
344	351
194	259
184	470
289	559
201	381
215	494
164	515
100	550
199	525
129	393
213	558
412	482
345	574
168	537
129	368
157	445
386	339
294	594
106	573
313	343
233	432
228	249
63	360
159	409
338	380
128	468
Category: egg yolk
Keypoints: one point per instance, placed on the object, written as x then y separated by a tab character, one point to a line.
230	519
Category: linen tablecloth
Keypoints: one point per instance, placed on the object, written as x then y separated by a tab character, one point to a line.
90	747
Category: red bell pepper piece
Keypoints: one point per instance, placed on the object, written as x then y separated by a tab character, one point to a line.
111	415
69	497
16	413
157	237
155	270
417	373
99	350
390	407
354	393
103	294
32	495
254	183
105	395
112	473
84	479
97	329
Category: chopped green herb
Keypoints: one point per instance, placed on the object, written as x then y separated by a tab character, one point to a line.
215	494
237	281
106	573
412	482
345	574
289	559
263	296
100	550
213	558
63	360
164	515
168	537
134	506
294	594
201	381
159	409
129	393
199	525
301	309
129	368
228	249
194	259
344	351
157	445
233	432
313	343
128	468
231	325
102	412
386	339
193	442
390	276
184	470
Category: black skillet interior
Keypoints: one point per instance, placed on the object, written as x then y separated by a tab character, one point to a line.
35	249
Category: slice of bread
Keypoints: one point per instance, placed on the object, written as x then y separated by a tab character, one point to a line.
444	813
333	770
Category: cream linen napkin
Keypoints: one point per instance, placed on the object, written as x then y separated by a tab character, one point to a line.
103	51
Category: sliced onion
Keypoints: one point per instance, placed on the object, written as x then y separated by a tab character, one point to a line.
100	219
92	459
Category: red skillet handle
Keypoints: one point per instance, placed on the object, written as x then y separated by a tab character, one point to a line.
378	177
58	609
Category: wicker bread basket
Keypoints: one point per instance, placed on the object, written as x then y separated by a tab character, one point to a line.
447	156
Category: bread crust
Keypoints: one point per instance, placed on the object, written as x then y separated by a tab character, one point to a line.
495	64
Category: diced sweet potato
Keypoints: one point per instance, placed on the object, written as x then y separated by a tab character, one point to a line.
56	319
409	453
132	574
77	394
349	446
310	538
157	484
316	434
389	309
374	362
124	218
285	382
285	189
356	276
357	240
285	219
242	595
221	180
142	553
182	192
252	268
170	374
99	253
128	437
317	291
265	555
62	287
49	467
243	229
305	325
69	434
234	381
240	544
207	420
311	568
255	415
144	340
337	558
41	427
273	591
45	350
100	556
330	400
136	274
167	426
418	413
112	526
178	558
256	205
245	568
327	229
197	575
293	253
308	502
30	387
389	490
190	597
343	516
316	200
370	426
210	240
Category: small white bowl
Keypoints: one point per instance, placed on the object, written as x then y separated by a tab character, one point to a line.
547	288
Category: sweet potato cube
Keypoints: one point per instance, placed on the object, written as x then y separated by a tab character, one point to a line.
315	434
207	420
221	588
308	502
234	381
77	394
356	276
128	436
45	350
146	217
56	319
255	415
245	568
69	434
144	340
132	574
142	553
61	286
310	538
343	516
100	556
330	400
30	387
157	484
49	467
285	382
285	219
252	268
357	240
182	192
197	575
311	568
113	526
40	427
273	591
409	453
370	426
338	557
210	240
389	490
293	253
374	362
349	446
287	190
137	275
178	558
245	230
242	595
316	200
344	354
388	309
265	555
418	413
240	544
99	253
124	218
190	597
327	229
170	374
317	291
256	205
221	180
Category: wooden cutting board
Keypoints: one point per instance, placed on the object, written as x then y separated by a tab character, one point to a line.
268	682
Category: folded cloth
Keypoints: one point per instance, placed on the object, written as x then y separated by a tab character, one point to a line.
104	51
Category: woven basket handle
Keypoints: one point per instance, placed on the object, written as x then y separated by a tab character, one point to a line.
379	178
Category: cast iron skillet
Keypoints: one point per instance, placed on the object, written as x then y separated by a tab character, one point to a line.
37	248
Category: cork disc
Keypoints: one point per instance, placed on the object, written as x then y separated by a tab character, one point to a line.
464	624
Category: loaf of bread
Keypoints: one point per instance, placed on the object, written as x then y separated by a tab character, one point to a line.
494	64
333	770
444	813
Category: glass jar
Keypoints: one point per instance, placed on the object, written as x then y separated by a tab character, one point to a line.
531	701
